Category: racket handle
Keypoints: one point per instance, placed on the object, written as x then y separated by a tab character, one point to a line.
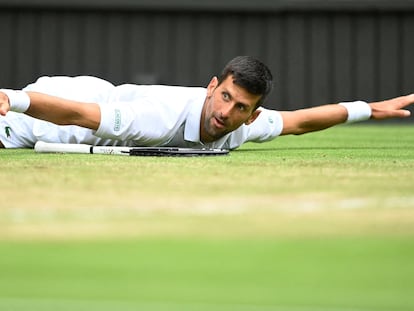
43	147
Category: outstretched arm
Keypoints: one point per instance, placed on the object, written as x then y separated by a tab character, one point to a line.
318	118
56	110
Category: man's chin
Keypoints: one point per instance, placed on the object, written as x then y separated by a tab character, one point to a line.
211	136
213	133
217	135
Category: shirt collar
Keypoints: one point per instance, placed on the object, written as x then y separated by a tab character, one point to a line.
192	124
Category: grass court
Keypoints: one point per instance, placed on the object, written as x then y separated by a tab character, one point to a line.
319	222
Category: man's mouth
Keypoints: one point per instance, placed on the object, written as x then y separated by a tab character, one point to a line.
219	123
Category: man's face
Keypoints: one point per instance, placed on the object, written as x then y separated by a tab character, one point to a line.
226	108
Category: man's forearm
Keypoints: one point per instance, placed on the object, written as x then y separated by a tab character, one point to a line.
313	119
63	112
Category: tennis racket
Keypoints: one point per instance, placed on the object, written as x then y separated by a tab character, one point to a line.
43	147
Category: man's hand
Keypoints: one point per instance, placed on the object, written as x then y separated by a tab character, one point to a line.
392	108
4	104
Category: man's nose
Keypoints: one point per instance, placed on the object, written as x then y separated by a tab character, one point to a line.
226	111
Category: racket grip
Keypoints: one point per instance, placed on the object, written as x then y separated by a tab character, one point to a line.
44	147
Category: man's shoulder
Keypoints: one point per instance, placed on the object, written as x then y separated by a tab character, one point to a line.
163	87
176	92
160	94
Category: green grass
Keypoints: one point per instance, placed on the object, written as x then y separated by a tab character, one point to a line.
305	274
317	222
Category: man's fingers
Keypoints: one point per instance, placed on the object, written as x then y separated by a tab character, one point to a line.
404	101
402	113
3	112
411	97
4	104
3	108
381	114
392	108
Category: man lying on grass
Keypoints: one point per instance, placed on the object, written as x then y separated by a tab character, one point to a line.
226	114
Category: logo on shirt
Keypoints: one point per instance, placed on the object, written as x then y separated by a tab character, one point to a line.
117	125
7	130
270	119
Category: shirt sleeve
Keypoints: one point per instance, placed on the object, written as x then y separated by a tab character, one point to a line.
267	126
116	121
145	123
125	121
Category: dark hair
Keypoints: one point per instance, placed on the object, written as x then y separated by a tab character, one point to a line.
251	74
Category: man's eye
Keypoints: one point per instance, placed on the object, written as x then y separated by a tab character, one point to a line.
226	96
241	107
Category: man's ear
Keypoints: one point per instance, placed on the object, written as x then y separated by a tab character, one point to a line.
211	86
253	117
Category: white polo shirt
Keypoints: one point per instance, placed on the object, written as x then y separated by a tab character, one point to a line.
143	115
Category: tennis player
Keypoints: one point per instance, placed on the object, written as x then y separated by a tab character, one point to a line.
225	114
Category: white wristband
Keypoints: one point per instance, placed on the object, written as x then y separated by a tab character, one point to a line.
19	100
357	111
